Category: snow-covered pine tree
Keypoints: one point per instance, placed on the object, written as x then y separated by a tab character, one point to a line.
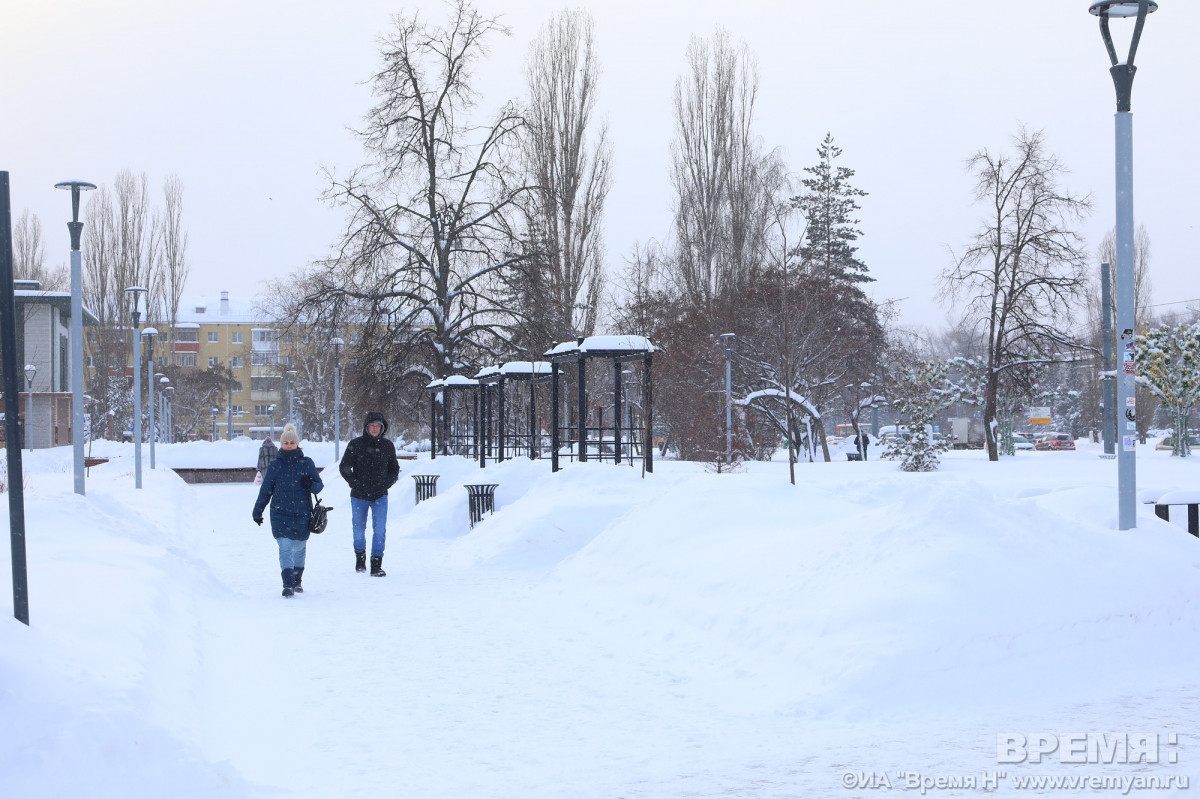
1168	363
921	391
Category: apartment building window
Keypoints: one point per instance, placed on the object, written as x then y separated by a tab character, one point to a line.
286	338
186	359
237	385
213	337
237	337
237	410
265	336
262	410
265	383
285	360
213	361
264	358
189	335
236	362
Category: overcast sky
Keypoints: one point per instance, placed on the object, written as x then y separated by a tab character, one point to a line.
248	100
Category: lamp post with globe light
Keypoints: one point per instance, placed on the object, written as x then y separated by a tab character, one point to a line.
1122	72
30	374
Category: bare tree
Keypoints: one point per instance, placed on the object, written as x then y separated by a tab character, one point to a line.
567	158
429	241
1023	271
119	251
723	182
29	255
173	267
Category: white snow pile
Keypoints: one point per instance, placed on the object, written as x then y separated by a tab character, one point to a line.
603	634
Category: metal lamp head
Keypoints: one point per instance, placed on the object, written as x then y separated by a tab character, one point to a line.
729	342
135	292
215	412
75	186
1122	71
1120	8
30	372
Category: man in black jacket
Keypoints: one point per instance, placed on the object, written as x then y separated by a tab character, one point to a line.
370	469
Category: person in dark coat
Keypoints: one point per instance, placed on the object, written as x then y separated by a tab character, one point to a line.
289	484
266	453
370	468
860	443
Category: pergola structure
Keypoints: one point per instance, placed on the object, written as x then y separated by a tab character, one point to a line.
602	438
509	425
454	409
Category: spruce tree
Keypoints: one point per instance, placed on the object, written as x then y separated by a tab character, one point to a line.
828	203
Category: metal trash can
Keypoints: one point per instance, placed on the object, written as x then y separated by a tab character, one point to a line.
481	498
426	486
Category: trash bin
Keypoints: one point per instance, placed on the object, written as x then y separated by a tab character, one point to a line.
481	498
426	486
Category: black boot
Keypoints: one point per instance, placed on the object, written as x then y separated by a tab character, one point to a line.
287	582
377	567
360	561
297	576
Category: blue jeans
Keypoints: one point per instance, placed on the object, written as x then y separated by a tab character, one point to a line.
358	522
291	553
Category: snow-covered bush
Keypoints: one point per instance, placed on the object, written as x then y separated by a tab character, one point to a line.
920	392
1168	363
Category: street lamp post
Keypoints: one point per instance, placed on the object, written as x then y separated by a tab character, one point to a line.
30	373
135	292
76	229
150	333
214	416
728	341
1122	75
271	408
229	405
169	408
337	399
291	373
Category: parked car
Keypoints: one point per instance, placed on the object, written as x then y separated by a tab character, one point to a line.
1054	441
1168	441
1022	440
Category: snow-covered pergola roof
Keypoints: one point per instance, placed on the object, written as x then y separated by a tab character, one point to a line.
515	370
454	381
602	347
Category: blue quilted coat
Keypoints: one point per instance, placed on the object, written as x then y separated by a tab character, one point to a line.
291	504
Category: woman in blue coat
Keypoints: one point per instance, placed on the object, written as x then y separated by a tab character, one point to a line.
288	485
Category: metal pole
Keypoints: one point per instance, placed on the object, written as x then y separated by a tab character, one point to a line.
12	407
728	409
1126	398
75	228
150	389
29	412
1108	386
229	406
337	405
137	399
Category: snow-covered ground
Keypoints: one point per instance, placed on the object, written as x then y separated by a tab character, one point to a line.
603	635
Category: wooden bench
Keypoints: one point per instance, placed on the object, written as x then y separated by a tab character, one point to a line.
89	462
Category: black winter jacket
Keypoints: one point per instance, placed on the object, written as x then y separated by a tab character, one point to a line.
369	464
291	503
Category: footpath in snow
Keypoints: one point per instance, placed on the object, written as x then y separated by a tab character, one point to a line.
686	634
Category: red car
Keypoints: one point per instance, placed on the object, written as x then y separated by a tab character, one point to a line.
1053	441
